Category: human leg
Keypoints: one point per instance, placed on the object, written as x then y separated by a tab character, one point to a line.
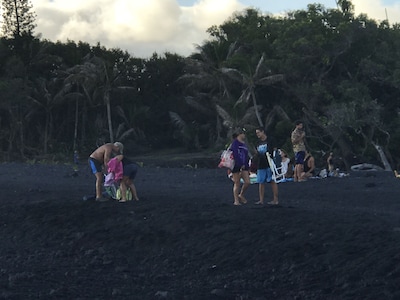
132	187
304	176
236	187
274	187
246	183
99	185
261	179
261	191
298	169
96	169
130	172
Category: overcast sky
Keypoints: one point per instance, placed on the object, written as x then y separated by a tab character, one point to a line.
143	27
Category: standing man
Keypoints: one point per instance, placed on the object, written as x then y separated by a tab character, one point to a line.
264	173
299	149
99	159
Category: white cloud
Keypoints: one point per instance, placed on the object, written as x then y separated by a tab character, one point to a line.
143	27
376	9
140	26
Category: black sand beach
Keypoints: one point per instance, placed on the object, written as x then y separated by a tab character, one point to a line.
333	238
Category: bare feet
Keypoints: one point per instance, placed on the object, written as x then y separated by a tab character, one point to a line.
242	199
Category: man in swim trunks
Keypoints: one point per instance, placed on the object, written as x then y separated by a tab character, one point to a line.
264	173
299	149
99	159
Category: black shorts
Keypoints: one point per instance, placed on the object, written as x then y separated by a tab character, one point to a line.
130	170
236	169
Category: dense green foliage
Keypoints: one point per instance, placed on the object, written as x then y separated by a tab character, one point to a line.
337	72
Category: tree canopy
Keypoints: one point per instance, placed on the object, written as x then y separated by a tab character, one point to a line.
337	72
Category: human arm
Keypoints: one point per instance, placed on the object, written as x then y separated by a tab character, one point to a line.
235	151
311	165
120	157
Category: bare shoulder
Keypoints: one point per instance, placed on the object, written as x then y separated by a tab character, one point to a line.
100	151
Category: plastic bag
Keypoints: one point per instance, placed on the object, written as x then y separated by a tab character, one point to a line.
227	160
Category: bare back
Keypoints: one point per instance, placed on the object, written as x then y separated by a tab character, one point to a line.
103	153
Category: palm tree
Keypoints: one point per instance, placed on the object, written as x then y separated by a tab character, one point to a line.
93	79
205	86
250	82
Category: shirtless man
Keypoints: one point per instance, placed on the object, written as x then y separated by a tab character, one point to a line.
99	158
299	149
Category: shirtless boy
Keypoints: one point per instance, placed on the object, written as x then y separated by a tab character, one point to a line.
99	159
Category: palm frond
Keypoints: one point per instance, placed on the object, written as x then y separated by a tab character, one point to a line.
177	120
250	116
258	68
232	49
120	112
227	119
198	106
244	97
120	128
269	80
125	134
233	74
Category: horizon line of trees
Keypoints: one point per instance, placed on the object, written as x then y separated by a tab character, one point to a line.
337	72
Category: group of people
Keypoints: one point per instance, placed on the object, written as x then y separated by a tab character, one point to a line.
99	164
241	169
304	163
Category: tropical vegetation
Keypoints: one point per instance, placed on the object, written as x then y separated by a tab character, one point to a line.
337	72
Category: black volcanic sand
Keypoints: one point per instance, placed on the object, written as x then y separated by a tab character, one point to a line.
333	238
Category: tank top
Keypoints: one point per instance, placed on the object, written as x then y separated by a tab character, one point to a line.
305	165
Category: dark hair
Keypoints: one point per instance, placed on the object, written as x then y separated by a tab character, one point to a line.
260	129
239	130
298	122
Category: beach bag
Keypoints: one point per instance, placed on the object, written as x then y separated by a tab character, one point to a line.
227	160
128	194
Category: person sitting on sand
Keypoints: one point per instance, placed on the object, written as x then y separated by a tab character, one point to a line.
308	167
287	165
241	168
99	160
